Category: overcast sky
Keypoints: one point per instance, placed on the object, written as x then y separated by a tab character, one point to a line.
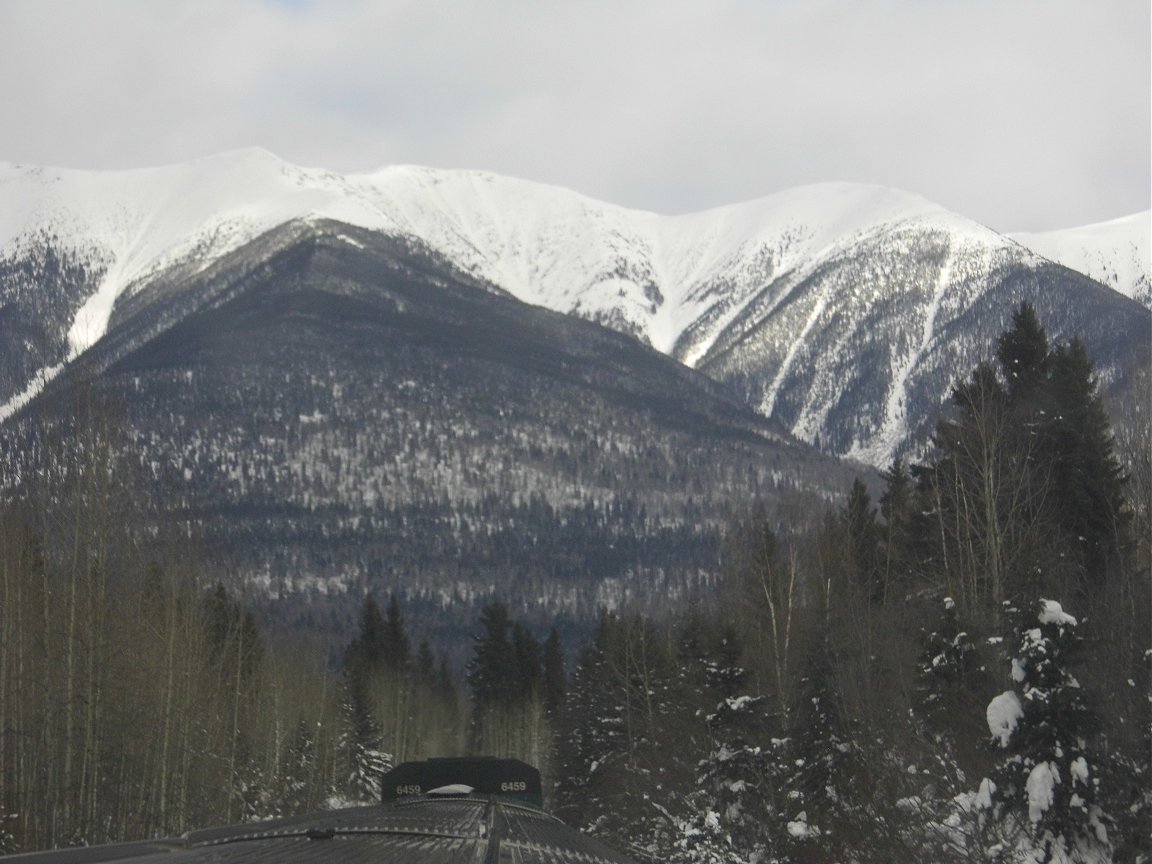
1022	114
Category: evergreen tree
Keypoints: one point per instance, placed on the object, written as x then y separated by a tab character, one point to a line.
830	781
1023	354
395	647
492	670
233	634
446	682
818	753
949	668
298	775
952	679
595	744
1127	776
362	741
8	844
505	676
859	518
1026	489
971	487
1086	472
426	664
555	678
362	744
366	654
734	782
628	753
898	536
1047	782
528	671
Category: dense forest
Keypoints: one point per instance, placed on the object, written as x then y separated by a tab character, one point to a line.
330	420
950	665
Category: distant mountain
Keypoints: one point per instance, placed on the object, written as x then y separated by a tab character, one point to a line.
843	311
1116	253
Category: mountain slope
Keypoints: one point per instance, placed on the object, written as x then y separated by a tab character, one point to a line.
652	276
857	354
1116	253
756	294
333	410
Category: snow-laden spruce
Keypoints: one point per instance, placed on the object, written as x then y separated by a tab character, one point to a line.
1040	804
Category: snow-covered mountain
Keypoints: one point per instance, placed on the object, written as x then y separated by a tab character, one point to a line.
844	310
653	276
1117	253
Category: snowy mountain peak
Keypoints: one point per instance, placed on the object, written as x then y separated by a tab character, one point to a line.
635	270
742	292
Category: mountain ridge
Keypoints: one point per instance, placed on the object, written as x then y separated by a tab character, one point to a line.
223	203
1114	253
696	286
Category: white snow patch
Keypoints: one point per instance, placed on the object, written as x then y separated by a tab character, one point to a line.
1117	253
676	282
769	401
894	428
38	382
91	321
1041	789
1003	714
1052	613
1018	672
452	789
983	799
546	245
798	827
1079	769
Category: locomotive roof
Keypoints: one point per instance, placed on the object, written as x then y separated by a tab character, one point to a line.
485	830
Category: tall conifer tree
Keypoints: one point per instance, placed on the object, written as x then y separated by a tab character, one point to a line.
555	678
1048	780
1086	471
1023	353
395	646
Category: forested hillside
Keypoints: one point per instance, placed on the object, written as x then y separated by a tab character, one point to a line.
330	412
951	665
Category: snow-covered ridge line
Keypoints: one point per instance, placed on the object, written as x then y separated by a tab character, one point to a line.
654	275
1117	253
732	290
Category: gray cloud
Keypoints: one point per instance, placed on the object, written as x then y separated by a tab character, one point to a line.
1025	115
